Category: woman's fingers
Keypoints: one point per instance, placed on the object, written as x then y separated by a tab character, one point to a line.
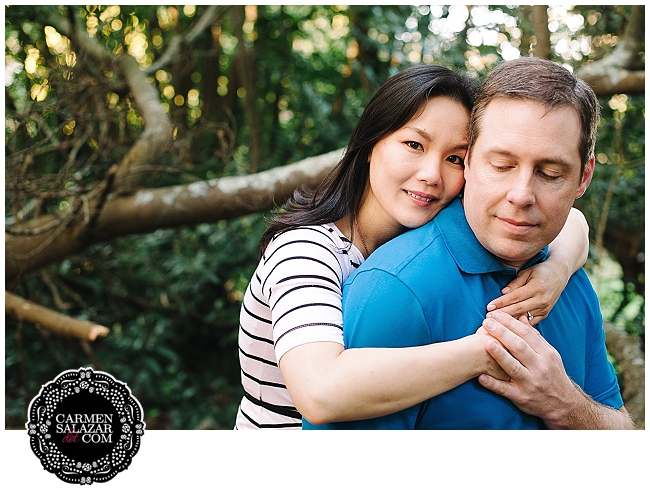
517	337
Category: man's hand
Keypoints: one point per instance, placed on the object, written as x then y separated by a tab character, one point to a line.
538	382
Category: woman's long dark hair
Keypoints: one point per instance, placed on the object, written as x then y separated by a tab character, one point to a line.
394	104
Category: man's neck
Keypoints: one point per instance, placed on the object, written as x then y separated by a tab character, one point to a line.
517	266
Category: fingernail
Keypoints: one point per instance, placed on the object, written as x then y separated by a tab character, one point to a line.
505	290
494	346
490	324
491	307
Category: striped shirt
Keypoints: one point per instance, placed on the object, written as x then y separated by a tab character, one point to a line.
293	298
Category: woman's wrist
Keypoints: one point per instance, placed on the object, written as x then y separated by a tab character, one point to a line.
476	354
565	267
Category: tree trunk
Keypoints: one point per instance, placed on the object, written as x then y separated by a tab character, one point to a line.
245	67
542	34
625	348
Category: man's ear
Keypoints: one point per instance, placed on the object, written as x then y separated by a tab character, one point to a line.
587	175
466	165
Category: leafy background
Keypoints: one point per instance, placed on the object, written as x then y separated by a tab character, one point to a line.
171	297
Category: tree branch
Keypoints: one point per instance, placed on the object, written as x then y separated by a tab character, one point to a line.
72	234
43	317
157	130
150	209
213	200
617	72
210	15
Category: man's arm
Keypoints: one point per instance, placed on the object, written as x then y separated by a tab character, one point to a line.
538	382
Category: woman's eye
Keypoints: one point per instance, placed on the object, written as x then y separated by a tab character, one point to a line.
414	144
456	159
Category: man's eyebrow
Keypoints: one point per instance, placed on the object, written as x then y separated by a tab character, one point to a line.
552	160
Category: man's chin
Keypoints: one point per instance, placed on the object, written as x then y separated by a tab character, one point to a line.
514	258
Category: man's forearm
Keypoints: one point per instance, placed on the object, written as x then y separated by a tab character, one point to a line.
587	414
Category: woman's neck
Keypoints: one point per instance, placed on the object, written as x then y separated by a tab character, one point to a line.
366	234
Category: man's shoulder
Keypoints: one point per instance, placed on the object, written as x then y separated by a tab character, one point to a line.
579	288
398	253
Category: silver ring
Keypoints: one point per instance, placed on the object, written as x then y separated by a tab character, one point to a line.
529	316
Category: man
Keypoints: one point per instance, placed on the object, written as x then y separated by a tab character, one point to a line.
532	136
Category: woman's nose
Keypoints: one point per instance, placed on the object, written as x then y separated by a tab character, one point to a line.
429	172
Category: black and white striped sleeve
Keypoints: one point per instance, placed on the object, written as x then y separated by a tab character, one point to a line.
302	280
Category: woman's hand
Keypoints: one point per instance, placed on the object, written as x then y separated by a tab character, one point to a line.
490	367
535	290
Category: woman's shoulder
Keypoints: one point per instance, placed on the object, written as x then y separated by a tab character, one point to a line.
326	235
323	242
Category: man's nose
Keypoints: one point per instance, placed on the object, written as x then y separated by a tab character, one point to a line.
521	191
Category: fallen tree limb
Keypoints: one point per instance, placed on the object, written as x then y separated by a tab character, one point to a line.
151	209
42	317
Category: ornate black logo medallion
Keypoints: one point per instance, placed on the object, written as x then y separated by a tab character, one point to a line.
85	426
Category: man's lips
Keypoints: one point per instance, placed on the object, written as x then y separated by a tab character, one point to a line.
517	226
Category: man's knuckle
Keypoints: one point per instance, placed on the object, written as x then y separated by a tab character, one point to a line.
514	369
519	346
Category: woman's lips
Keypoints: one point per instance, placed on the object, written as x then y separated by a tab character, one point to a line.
420	196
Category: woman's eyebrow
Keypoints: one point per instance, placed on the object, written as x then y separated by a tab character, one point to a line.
425	135
420	131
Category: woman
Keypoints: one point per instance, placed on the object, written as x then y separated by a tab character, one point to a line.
403	164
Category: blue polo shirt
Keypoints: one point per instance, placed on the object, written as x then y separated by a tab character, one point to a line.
433	284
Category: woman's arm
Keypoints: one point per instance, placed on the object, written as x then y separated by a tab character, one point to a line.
328	384
537	289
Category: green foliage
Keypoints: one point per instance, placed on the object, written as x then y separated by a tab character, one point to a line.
171	297
620	147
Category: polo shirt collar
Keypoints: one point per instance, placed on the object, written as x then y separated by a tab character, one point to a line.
468	253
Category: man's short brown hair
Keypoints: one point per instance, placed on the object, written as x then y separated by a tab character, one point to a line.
545	82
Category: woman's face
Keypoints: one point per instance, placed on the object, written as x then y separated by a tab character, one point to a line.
417	170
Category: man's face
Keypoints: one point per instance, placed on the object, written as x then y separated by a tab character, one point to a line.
522	177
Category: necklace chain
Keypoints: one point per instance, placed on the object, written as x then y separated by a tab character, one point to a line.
363	241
